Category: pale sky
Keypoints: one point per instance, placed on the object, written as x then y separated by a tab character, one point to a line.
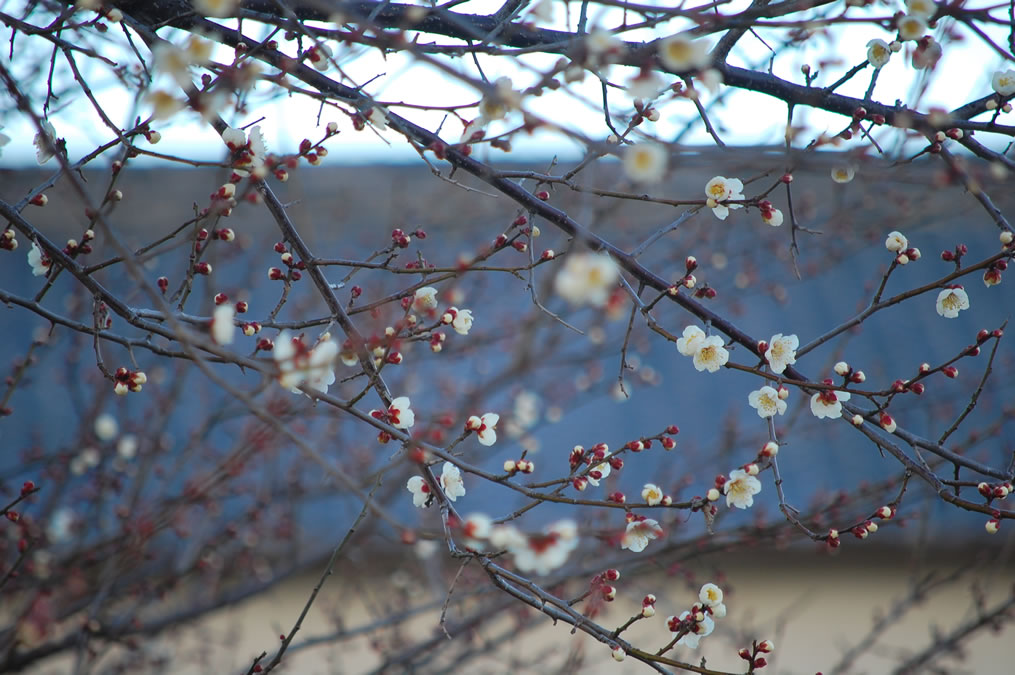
746	119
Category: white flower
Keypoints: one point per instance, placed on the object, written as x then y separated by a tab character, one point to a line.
912	27
740	489
828	403
645	85
502	100
400	414
921	8
602	46
218	8
420	491
645	162
781	352
773	217
462	322
38	260
234	138
487	429
878	53
712	79
425	298
896	242
222	327
106	427
451	481
1004	83
539	553
587	278
599	471
843	174
951	301
721	189
638	534
712	355
693	340
767	402
475	528
710	595
652	494
681	53
45	141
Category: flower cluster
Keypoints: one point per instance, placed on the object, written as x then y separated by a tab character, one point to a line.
398	414
128	381
451	483
459	319
299	364
539	553
699	621
485	427
707	352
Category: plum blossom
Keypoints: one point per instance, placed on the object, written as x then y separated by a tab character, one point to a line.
652	494
711	596
767	402
462	322
475	529
896	242
781	352
681	53
843	174
485	428
599	471
222	326
1003	82
502	100
39	261
301	365
922	8
951	301
45	141
828	403
772	217
587	279
451	481
711	356
691	639
217	8
638	533
721	189
692	341
740	489
420	491
912	27
425	299
645	162
878	53
540	553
